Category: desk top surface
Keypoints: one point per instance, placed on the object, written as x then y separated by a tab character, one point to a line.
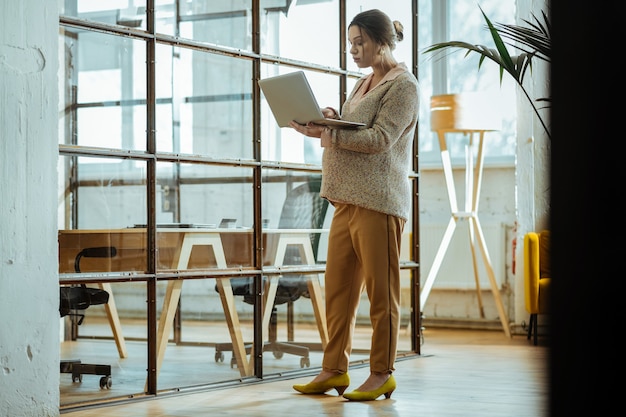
189	230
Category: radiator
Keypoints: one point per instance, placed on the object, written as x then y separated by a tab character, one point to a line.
456	270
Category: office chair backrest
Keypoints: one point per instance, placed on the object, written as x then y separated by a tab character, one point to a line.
303	209
81	297
97	252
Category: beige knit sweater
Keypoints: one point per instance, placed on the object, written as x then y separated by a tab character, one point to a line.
370	167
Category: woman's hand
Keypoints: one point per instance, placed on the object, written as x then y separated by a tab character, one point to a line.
310	129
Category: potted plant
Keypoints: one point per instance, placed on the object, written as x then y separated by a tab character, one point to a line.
533	42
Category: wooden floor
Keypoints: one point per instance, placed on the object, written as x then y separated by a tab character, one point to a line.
460	373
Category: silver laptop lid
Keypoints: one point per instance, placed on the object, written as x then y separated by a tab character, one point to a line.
290	98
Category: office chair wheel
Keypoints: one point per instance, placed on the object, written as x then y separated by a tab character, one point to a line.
219	356
77	378
106	382
233	362
305	362
278	354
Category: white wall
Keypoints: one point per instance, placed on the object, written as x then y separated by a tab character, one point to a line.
533	154
496	207
29	328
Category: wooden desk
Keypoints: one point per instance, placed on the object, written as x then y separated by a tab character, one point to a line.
132	244
187	248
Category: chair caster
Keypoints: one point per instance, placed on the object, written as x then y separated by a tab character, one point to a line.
305	362
106	382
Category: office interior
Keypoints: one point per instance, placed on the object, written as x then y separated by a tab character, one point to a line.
162	135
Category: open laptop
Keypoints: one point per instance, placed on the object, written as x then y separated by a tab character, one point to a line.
290	98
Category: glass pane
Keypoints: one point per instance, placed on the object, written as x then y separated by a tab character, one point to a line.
428	147
205	323
129	13
211	113
225	23
109	343
206	211
292	205
103	90
222	23
101	201
292	29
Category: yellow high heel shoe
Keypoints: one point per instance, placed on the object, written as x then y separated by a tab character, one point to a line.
387	388
339	382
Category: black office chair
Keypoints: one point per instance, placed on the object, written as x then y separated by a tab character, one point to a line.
78	298
303	209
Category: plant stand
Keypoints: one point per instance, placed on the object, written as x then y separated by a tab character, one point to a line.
467	114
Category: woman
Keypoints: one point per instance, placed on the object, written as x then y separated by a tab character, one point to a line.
365	175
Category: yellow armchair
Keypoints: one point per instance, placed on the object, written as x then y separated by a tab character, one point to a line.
536	277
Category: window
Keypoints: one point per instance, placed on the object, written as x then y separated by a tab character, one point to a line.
453	72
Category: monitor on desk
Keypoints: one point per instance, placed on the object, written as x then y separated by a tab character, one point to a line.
228	223
177	226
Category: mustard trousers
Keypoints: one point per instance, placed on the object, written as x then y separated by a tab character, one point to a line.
363	254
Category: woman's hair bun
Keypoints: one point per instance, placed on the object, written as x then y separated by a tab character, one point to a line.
399	30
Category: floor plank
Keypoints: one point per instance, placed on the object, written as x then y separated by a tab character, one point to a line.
460	373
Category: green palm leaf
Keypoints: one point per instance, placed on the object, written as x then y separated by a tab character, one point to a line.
535	39
533	42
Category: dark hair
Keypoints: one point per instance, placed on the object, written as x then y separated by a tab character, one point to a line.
378	26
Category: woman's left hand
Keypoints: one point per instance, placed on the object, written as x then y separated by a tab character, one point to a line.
311	130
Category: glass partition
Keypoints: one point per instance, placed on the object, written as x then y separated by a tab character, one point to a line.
302	30
201	218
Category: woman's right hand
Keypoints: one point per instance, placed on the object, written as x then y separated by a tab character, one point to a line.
310	129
